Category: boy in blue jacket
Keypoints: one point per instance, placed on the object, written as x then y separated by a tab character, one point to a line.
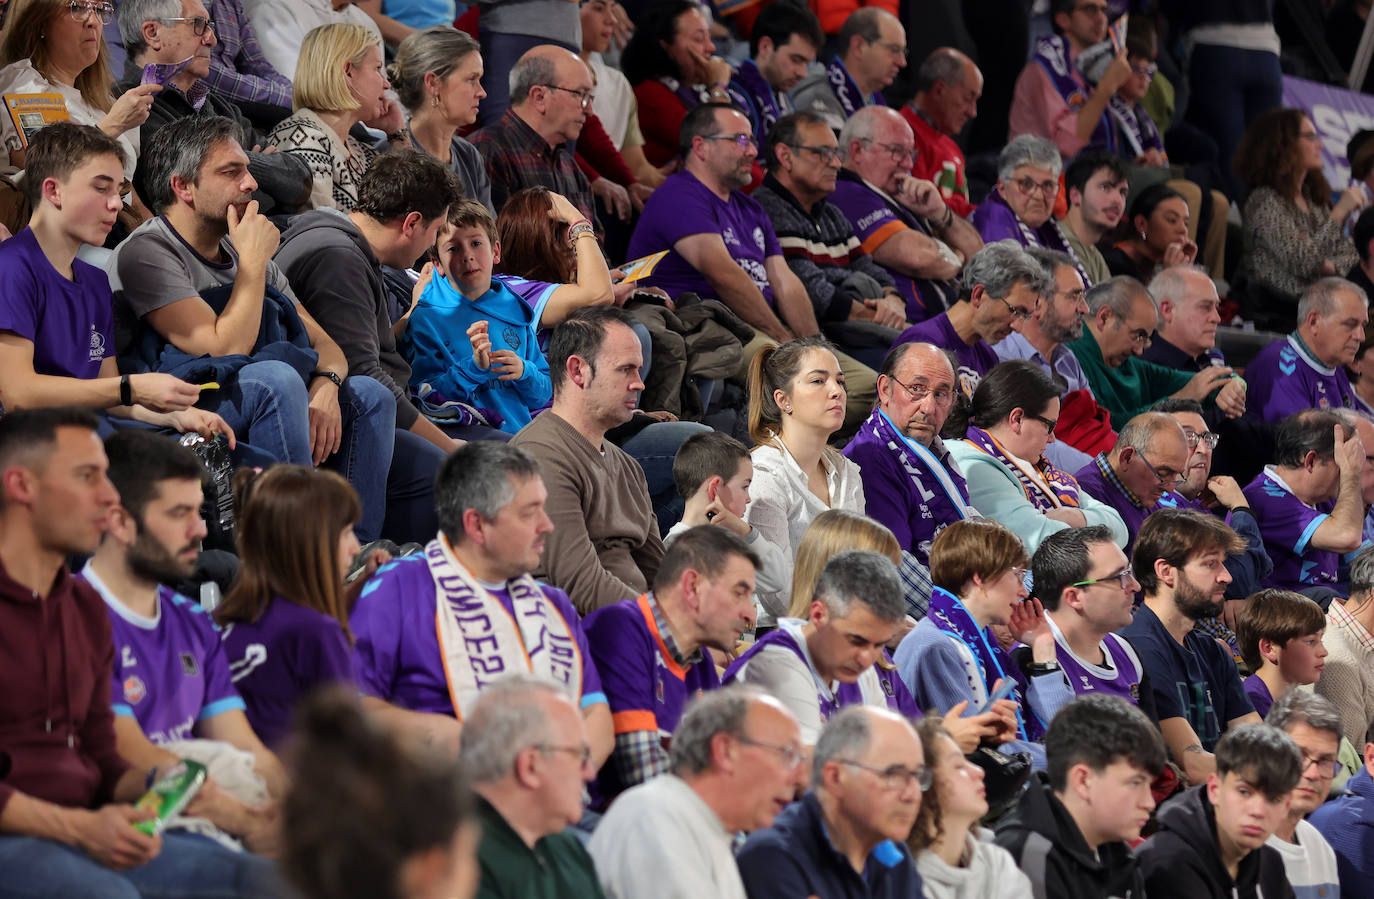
470	338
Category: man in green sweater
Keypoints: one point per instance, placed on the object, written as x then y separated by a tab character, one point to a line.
1120	322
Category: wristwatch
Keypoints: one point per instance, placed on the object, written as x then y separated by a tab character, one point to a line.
1035	669
321	373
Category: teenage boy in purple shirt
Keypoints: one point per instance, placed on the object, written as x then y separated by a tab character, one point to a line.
434	628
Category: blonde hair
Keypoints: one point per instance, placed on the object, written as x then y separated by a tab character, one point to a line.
24	39
320	83
830	532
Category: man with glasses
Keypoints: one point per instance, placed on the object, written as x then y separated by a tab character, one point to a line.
948	85
1179	562
526	753
854	298
998	291
1121	320
1141	473
872	51
847	835
737	760
1314	723
900	220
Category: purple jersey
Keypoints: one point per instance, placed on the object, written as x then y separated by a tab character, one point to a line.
681	207
170	671
1288	524
974	361
1285	378
396	651
280	658
1118	675
70	323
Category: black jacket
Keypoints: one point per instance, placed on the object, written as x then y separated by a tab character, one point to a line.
1048	846
1184	859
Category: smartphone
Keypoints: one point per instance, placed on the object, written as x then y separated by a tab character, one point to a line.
1006	689
170	795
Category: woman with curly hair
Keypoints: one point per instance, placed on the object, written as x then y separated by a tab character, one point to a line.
1293	234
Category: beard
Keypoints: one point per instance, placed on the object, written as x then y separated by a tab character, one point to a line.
1062	330
150	560
1194	602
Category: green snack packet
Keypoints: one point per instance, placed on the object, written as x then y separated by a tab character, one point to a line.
170	795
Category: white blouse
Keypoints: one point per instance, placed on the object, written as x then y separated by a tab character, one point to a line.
20	77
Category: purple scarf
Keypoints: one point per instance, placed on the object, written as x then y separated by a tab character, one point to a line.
750	90
1135	126
691	95
845	694
1062	484
1049	235
846	91
1052	53
950	616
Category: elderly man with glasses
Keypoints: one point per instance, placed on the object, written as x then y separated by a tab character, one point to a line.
1142	472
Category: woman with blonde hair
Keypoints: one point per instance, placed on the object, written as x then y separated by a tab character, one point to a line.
339	82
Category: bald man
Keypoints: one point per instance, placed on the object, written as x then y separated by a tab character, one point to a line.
1142	472
948	85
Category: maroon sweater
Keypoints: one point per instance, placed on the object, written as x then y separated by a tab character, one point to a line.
57	737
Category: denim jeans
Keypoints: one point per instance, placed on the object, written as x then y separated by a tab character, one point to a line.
266	404
1228	88
654	448
365	453
188	867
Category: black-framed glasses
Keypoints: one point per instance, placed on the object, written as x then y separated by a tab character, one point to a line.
1211	438
791	755
198	23
1167	481
896	777
584	95
1020	313
1027	184
83	10
825	154
582	753
918	392
1125	577
743	141
900	153
1049	423
1325	767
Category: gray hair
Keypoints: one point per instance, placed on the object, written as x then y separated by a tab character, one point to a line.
529	73
481	475
722	711
1362	572
1050	261
1027	149
999	267
1118	294
1321	297
943	64
439	49
1172	282
862	125
181	148
869	577
133	13
508	718
846	735
1139	433
1305	707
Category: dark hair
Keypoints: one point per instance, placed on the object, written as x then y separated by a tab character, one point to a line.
180	151
481	475
29	433
1141	40
704	549
533	244
467	213
775	368
61	148
1263	756
1308	431
1270	155
141	460
405	181
361	803
1062	560
1172	404
1362	235
703	456
1177	535
786	131
1088	163
581	334
1147	201
779	21
644	57
700	121
1015	384
861	23
1277	616
1098	730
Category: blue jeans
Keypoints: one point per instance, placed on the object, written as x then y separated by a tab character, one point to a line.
654	448
188	867
266	404
1229	87
365	453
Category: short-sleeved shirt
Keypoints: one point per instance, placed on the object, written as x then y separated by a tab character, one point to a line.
974	361
70	323
276	660
1285	377
396	644
170	671
1288	524
1196	681
681	207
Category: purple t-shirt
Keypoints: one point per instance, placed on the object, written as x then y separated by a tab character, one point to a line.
396	646
974	361
170	671
1284	378
280	658
71	323
683	206
1257	691
1288	524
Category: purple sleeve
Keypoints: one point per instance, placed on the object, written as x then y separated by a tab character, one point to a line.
18	300
1283	520
866	212
220	693
996	222
376	625
591	681
628	680
885	494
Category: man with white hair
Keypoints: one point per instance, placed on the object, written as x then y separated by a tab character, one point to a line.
527	754
872	51
1186	333
1022	206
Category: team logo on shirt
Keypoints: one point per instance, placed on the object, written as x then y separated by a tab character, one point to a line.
189	666
758	238
658	687
97	344
728	235
1135	693
887	686
126	657
134	689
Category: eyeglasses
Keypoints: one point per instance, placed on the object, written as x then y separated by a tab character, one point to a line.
1211	438
1325	767
743	141
894	48
1167	481
584	96
825	154
918	392
1125	577
900	153
896	777
791	755
1148	70
81	11
198	23
1049	423
1020	313
582	753
1028	184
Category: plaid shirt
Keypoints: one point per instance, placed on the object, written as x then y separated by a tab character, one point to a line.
1110	474
517	158
915	585
238	69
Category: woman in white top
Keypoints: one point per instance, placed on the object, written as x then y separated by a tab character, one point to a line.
956	857
796	403
58	47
